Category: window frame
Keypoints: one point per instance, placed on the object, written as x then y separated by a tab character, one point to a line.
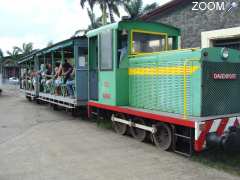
100	52
150	33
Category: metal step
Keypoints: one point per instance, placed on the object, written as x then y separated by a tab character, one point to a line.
185	151
57	103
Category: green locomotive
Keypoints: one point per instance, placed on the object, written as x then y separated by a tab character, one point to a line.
139	76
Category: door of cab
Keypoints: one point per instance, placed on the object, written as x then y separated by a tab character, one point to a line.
93	68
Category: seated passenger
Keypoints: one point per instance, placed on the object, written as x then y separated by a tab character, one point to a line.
25	78
70	83
33	79
42	76
58	79
67	71
48	75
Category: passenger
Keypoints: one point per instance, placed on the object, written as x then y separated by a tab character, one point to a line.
67	71
58	79
25	78
48	75
29	79
33	79
70	83
42	74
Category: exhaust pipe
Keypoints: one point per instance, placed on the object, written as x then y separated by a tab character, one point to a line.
229	141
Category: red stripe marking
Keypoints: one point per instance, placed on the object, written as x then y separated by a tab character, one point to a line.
200	141
147	115
222	126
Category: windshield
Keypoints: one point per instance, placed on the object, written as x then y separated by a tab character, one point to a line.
144	42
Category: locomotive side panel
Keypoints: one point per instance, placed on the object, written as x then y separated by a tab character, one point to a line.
157	82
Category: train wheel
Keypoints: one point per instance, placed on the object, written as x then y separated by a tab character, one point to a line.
120	128
55	107
75	112
163	136
38	101
138	133
28	98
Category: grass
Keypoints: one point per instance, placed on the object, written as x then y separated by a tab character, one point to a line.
104	123
220	160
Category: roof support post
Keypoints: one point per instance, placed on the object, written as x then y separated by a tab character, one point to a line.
44	59
52	55
62	56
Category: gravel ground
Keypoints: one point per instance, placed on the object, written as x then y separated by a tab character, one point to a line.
37	143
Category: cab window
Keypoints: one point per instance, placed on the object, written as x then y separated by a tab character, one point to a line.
144	42
106	62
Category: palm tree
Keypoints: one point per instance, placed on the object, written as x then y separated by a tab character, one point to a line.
27	48
14	53
91	3
1	53
135	8
95	21
50	43
107	7
111	7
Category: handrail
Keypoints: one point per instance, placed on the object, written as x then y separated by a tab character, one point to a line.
185	85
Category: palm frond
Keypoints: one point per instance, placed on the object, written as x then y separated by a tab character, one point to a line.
134	8
1	53
149	7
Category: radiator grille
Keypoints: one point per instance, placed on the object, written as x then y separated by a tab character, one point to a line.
220	96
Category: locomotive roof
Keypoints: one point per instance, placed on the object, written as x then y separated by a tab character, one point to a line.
147	26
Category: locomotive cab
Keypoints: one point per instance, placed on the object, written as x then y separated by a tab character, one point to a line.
110	49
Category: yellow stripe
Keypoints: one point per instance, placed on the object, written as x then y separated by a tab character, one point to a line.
173	70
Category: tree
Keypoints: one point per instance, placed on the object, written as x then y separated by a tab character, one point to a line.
50	43
136	9
91	3
26	48
14	53
108	8
1	53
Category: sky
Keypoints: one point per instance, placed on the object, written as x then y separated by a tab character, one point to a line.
41	21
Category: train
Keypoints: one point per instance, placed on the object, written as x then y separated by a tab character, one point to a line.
135	75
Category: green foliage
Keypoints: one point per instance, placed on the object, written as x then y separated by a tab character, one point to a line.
108	8
14	53
1	53
95	21
135	8
27	48
104	123
91	3
149	7
50	43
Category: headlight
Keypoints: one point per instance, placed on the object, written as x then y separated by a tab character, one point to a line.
225	53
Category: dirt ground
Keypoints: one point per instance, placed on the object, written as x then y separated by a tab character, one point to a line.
37	143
